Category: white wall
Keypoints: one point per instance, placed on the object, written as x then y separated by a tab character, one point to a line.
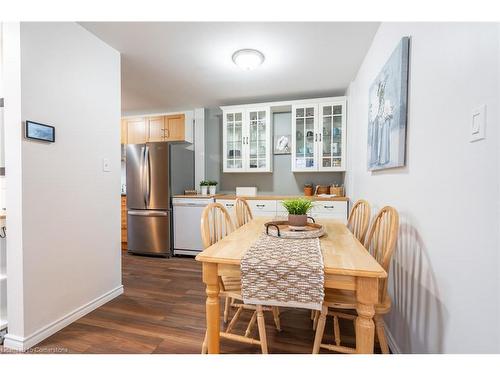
445	274
66	216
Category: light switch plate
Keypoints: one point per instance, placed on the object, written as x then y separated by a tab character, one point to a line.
478	124
106	167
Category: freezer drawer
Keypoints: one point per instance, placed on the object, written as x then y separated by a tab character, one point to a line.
148	232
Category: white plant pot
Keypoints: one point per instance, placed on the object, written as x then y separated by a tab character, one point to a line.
204	190
212	189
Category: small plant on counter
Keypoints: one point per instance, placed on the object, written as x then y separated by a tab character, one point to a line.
204	187
212	186
297	211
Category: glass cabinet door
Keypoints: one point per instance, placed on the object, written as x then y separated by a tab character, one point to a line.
304	138
332	137
258	140
233	141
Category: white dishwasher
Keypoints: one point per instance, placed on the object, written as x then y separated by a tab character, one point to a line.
187	217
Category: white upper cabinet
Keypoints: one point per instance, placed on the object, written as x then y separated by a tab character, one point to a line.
247	140
318	136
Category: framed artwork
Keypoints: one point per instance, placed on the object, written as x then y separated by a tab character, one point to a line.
387	113
282	144
40	132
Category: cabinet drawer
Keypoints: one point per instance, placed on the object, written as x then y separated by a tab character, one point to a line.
227	203
325	207
262	207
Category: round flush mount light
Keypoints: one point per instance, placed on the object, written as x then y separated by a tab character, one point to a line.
248	59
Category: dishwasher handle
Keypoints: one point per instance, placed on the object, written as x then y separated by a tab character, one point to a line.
189	204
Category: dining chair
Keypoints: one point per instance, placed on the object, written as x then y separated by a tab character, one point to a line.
216	224
359	219
380	242
243	212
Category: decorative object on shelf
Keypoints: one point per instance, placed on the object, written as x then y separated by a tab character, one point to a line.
204	187
308	190
282	144
297	212
190	192
40	132
388	111
212	187
322	189
283	229
336	190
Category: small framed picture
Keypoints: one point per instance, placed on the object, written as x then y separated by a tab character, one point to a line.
282	144
40	132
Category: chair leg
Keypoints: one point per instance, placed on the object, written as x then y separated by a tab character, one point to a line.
261	323
204	346
336	330
313	313
234	320
227	305
320	329
315	320
380	329
276	316
251	324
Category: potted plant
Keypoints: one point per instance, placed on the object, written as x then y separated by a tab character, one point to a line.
297	211
204	187
212	186
308	190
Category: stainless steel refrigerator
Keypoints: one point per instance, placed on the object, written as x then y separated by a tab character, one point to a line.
154	171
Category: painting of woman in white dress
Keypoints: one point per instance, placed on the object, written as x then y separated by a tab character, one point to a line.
388	110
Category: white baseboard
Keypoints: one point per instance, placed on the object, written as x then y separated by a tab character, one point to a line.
24	343
393	345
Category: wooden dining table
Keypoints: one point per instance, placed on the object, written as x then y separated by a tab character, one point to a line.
347	266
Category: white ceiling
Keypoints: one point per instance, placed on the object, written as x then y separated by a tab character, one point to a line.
169	66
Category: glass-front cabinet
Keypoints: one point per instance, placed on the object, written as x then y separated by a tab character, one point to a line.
318	136
247	140
305	137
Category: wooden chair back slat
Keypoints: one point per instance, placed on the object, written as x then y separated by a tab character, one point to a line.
359	218
215	224
243	212
381	241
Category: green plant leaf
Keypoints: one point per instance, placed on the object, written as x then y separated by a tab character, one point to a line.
297	206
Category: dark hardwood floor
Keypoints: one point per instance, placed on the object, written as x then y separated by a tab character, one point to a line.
162	311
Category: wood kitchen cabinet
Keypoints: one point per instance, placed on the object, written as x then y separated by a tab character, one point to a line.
136	129
155	129
175	127
124	222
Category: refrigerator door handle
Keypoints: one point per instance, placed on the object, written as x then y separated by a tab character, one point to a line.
141	172
148	180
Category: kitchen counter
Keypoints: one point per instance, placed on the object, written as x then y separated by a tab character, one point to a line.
264	197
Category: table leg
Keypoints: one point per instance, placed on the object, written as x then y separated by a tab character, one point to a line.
211	280
367	297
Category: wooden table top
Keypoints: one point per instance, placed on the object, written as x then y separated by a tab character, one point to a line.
343	254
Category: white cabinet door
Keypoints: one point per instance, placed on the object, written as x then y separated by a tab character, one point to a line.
304	138
258	140
247	140
229	206
233	141
332	136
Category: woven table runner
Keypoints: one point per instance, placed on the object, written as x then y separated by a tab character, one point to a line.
283	272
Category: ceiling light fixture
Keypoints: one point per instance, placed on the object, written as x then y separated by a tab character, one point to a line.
248	59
